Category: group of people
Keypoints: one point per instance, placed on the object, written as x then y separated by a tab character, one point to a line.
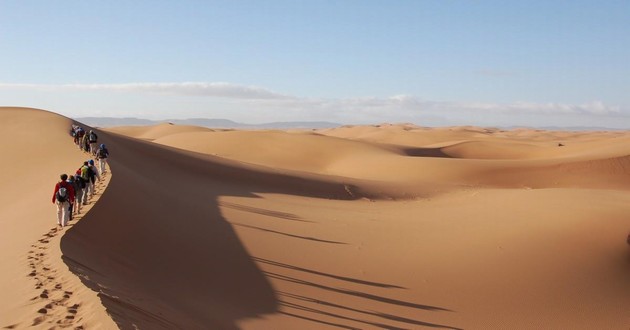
74	190
87	141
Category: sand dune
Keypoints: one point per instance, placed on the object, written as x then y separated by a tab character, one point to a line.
153	132
388	227
460	158
297	151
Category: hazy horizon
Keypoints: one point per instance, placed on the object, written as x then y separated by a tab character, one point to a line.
228	123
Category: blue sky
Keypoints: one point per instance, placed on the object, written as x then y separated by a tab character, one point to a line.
489	63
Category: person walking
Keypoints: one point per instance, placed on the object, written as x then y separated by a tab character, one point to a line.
62	197
93	175
71	202
80	135
85	143
79	186
73	133
102	155
93	138
83	172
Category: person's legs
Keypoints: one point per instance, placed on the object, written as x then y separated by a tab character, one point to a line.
92	186
65	208
85	192
78	201
59	212
103	162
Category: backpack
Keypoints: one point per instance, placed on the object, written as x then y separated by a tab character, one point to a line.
93	137
80	182
102	153
91	174
80	132
62	194
84	171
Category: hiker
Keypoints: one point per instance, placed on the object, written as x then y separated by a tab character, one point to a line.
92	138
73	132
75	138
83	172
78	139
79	185
102	155
93	175
62	197
85	143
71	202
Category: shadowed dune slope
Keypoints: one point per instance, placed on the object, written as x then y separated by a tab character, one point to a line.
178	262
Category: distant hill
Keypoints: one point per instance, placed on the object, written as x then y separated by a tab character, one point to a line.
225	123
569	128
212	123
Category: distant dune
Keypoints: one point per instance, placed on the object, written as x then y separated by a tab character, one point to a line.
352	227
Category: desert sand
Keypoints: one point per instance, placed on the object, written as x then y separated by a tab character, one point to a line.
356	227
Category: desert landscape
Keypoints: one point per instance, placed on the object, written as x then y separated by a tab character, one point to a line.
390	226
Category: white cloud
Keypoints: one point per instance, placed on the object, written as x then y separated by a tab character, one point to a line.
239	102
213	89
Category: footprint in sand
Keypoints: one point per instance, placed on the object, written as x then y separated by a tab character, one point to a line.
59	309
50	313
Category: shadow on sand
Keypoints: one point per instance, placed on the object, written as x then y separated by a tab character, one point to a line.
160	254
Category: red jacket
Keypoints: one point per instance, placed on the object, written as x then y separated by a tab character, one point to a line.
68	187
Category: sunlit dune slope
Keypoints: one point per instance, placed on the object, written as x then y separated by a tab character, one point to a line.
302	151
156	131
36	148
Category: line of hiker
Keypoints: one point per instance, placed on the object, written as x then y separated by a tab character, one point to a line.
77	189
88	142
